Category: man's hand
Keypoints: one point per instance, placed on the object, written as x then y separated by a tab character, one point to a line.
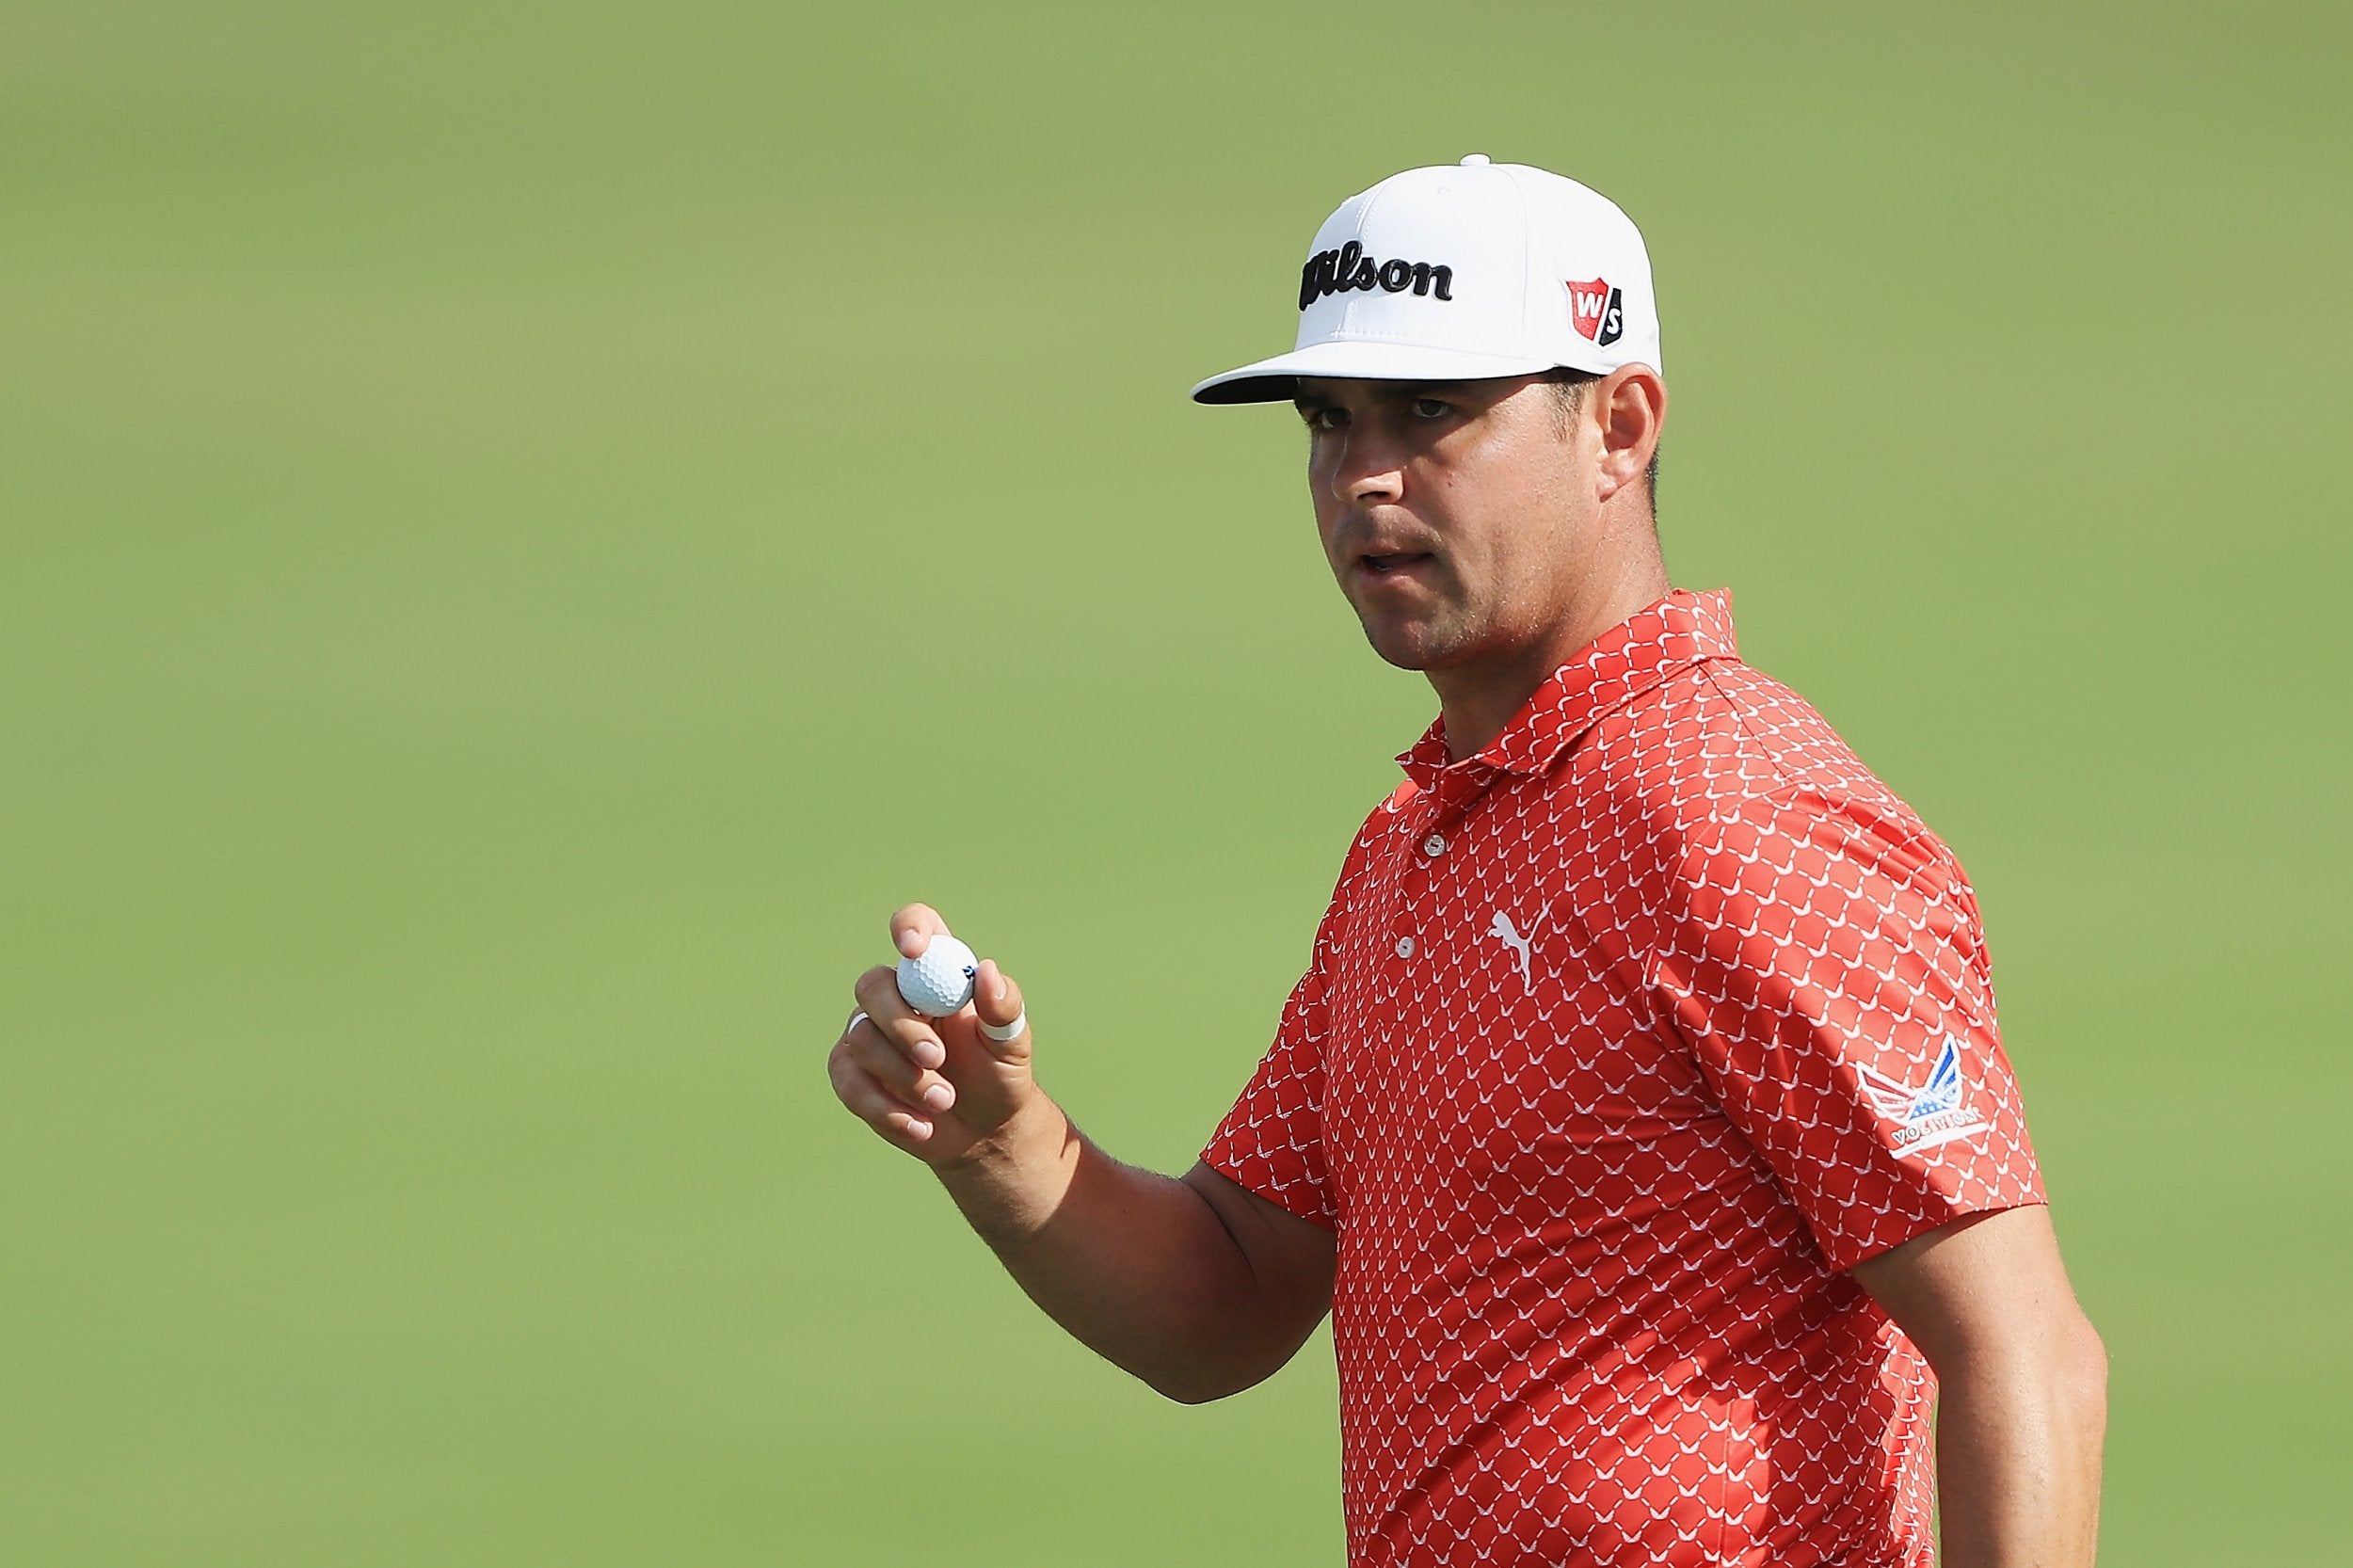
1197	1285
937	1088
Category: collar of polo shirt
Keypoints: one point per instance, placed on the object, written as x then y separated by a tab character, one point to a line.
1637	653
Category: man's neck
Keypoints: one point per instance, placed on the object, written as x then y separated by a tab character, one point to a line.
1479	701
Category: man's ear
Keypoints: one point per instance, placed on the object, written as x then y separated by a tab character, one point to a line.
1630	406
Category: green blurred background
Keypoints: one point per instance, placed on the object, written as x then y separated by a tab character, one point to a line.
531	527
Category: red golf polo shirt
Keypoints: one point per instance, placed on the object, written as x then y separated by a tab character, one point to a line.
1621	1040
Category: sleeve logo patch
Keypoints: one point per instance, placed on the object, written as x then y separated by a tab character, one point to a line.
1929	1115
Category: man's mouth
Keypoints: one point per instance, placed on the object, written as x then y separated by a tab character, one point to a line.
1390	565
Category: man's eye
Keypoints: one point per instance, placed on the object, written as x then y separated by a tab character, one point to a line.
1324	418
1430	408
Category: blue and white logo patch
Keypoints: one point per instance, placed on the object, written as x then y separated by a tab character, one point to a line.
1930	1115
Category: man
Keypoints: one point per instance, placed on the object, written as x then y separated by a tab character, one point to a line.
1641	1117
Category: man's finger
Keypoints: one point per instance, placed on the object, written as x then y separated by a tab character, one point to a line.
919	1089
998	1002
874	1104
889	1012
913	927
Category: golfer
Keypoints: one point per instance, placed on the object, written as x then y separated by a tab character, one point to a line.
1641	1119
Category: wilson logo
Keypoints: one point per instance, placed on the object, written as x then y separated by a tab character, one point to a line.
1598	310
1330	272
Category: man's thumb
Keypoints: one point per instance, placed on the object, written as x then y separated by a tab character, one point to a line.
1004	1023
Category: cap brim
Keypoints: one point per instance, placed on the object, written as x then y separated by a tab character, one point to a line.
1276	381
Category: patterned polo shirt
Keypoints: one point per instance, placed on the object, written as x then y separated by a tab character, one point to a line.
1621	1041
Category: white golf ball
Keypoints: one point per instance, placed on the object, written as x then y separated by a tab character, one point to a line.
940	982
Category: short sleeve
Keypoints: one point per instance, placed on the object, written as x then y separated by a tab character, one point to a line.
1826	966
1272	1141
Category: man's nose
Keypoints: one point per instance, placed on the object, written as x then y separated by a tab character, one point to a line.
1372	470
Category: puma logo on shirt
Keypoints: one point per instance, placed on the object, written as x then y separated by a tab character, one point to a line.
1521	945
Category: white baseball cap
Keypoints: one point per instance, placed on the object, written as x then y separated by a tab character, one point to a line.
1458	273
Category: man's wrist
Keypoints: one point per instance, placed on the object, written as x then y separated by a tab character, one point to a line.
1009	1183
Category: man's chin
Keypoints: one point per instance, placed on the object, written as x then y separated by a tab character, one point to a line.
1409	648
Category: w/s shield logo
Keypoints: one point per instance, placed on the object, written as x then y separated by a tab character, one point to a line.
1929	1115
1598	310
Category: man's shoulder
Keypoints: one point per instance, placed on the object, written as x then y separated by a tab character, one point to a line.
1723	759
1381	825
1717	733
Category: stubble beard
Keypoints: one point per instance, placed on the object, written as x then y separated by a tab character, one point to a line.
1407	653
1433	639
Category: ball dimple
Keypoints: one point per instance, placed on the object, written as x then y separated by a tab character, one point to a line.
940	980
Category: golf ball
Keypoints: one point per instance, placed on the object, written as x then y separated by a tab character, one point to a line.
940	982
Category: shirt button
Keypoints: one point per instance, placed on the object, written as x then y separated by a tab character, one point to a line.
1405	947
1434	846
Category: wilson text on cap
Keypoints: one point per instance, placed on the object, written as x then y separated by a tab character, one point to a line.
1337	271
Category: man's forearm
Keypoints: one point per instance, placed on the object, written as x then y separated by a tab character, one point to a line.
2018	1458
1140	1267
